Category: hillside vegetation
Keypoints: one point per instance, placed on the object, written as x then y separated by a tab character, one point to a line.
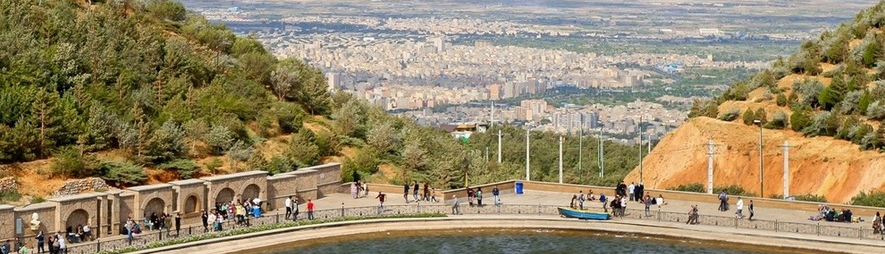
828	101
139	92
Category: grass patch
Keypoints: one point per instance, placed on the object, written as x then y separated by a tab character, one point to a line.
37	200
260	228
7	196
803	197
700	188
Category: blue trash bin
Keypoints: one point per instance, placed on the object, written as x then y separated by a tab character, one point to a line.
518	187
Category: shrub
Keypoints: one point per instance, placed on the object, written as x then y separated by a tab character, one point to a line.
219	139
185	168
9	196
37	200
701	188
749	116
823	124
781	100
213	165
876	110
778	121
761	115
165	9
730	115
811	198
123	173
68	161
799	120
691	187
280	164
873	198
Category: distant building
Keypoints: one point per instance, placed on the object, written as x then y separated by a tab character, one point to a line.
495	92
334	80
510	90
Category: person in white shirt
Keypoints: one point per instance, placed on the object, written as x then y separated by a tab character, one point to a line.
630	190
288	207
623	206
87	234
61	243
740	208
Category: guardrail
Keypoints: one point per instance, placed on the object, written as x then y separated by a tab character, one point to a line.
857	231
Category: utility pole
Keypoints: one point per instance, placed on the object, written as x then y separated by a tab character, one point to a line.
710	147
581	149
640	149
786	147
527	155
601	158
499	146
560	159
492	117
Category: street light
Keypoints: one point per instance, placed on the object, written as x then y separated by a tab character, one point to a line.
761	172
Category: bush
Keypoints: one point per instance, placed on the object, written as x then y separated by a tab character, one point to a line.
37	200
823	124
280	164
799	120
219	139
876	110
778	121
69	162
213	165
810	198
873	198
730	115
123	173
749	116
781	100
692	187
165	9
185	168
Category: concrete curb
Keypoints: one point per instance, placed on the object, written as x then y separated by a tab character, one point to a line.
694	232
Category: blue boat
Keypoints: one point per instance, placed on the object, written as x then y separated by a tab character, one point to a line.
584	215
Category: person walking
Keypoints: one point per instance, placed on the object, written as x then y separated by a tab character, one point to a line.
40	241
288	204
740	208
495	193
630	191
309	209
406	192
380	198
693	215
433	195
205	218
353	190
602	199
456	209
723	201
752	211
623	206
426	192
62	248
478	195
365	189
295	207
415	192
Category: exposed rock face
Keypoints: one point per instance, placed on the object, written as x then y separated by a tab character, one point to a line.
824	166
74	187
8	183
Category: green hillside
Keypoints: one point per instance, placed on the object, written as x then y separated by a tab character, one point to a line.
170	91
834	86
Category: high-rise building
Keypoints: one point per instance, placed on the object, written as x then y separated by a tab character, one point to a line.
439	43
495	92
334	81
510	90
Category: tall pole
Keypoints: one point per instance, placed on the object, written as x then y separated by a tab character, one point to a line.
640	149
601	155
499	146
710	166
581	148
761	172
786	169
527	156
560	159
492	117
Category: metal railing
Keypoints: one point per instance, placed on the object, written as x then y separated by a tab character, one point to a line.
857	231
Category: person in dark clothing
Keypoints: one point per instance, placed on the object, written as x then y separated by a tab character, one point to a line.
495	193
177	224
205	218
406	192
470	196
426	192
415	192
40	241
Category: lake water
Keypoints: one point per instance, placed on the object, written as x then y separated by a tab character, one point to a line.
469	241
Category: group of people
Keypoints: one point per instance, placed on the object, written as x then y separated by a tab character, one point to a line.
53	244
357	188
632	192
827	213
428	193
474	196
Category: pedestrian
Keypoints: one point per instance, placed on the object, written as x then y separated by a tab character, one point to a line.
433	195
752	210
495	193
23	250
353	190
478	195
380	198
877	224
574	200
295	207
415	192
581	200
723	201
62	248
470	196
623	206
406	192
309	209
630	190
740	207
647	202
604	205
288	204
5	248
640	192
456	209
426	192
40	241
693	215
51	244
205	218
365	189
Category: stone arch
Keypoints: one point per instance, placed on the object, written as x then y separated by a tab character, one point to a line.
251	191
224	195
191	204
155	205
77	217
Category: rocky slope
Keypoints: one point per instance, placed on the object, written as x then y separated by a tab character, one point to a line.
824	166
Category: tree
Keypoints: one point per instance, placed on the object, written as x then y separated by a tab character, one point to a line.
778	121
864	103
871	53
186	169
761	115
876	110
55	121
303	149
123	173
166	143
748	117
384	138
781	100
69	162
219	139
349	118
799	120
168	10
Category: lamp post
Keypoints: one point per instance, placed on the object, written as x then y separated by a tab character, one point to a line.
527	154
761	172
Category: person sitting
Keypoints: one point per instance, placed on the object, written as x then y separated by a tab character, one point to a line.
830	216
